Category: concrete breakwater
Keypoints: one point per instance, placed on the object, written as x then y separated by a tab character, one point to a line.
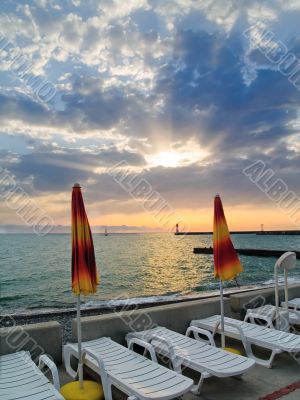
248	252
288	232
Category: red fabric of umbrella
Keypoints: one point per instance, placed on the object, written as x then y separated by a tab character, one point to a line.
226	261
84	270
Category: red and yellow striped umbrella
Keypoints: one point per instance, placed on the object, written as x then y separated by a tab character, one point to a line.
226	261
84	271
84	281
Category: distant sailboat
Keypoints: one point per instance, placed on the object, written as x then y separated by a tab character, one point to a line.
105	232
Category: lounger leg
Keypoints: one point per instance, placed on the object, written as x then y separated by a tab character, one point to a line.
265	363
176	365
67	352
45	361
106	384
196	389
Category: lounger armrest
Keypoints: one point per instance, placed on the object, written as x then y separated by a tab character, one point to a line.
145	336
44	361
176	363
67	355
238	328
145	345
164	341
251	316
199	331
98	359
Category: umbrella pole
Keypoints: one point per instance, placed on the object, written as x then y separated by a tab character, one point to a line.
79	334
222	314
276	296
286	289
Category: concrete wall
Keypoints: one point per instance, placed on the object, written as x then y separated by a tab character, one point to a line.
174	316
42	338
240	302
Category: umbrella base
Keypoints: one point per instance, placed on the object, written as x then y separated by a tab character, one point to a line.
91	391
232	350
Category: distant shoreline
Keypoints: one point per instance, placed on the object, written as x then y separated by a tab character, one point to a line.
277	232
191	233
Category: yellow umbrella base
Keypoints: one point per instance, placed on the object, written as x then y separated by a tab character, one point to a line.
232	350
91	391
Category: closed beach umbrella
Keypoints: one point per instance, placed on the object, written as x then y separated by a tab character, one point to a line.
226	261
84	281
84	270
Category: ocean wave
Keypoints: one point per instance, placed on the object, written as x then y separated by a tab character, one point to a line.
271	282
11	297
61	307
54	306
132	301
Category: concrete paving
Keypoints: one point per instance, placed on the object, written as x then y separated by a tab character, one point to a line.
293	396
254	385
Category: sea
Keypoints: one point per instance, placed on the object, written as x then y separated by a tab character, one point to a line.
35	272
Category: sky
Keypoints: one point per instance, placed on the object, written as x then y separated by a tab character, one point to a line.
139	99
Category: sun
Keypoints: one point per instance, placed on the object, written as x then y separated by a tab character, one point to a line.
165	159
184	156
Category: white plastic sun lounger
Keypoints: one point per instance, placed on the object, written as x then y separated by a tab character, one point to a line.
20	378
252	334
135	375
293	303
197	354
268	314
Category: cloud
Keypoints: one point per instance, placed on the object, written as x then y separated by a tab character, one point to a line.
208	92
54	169
145	80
